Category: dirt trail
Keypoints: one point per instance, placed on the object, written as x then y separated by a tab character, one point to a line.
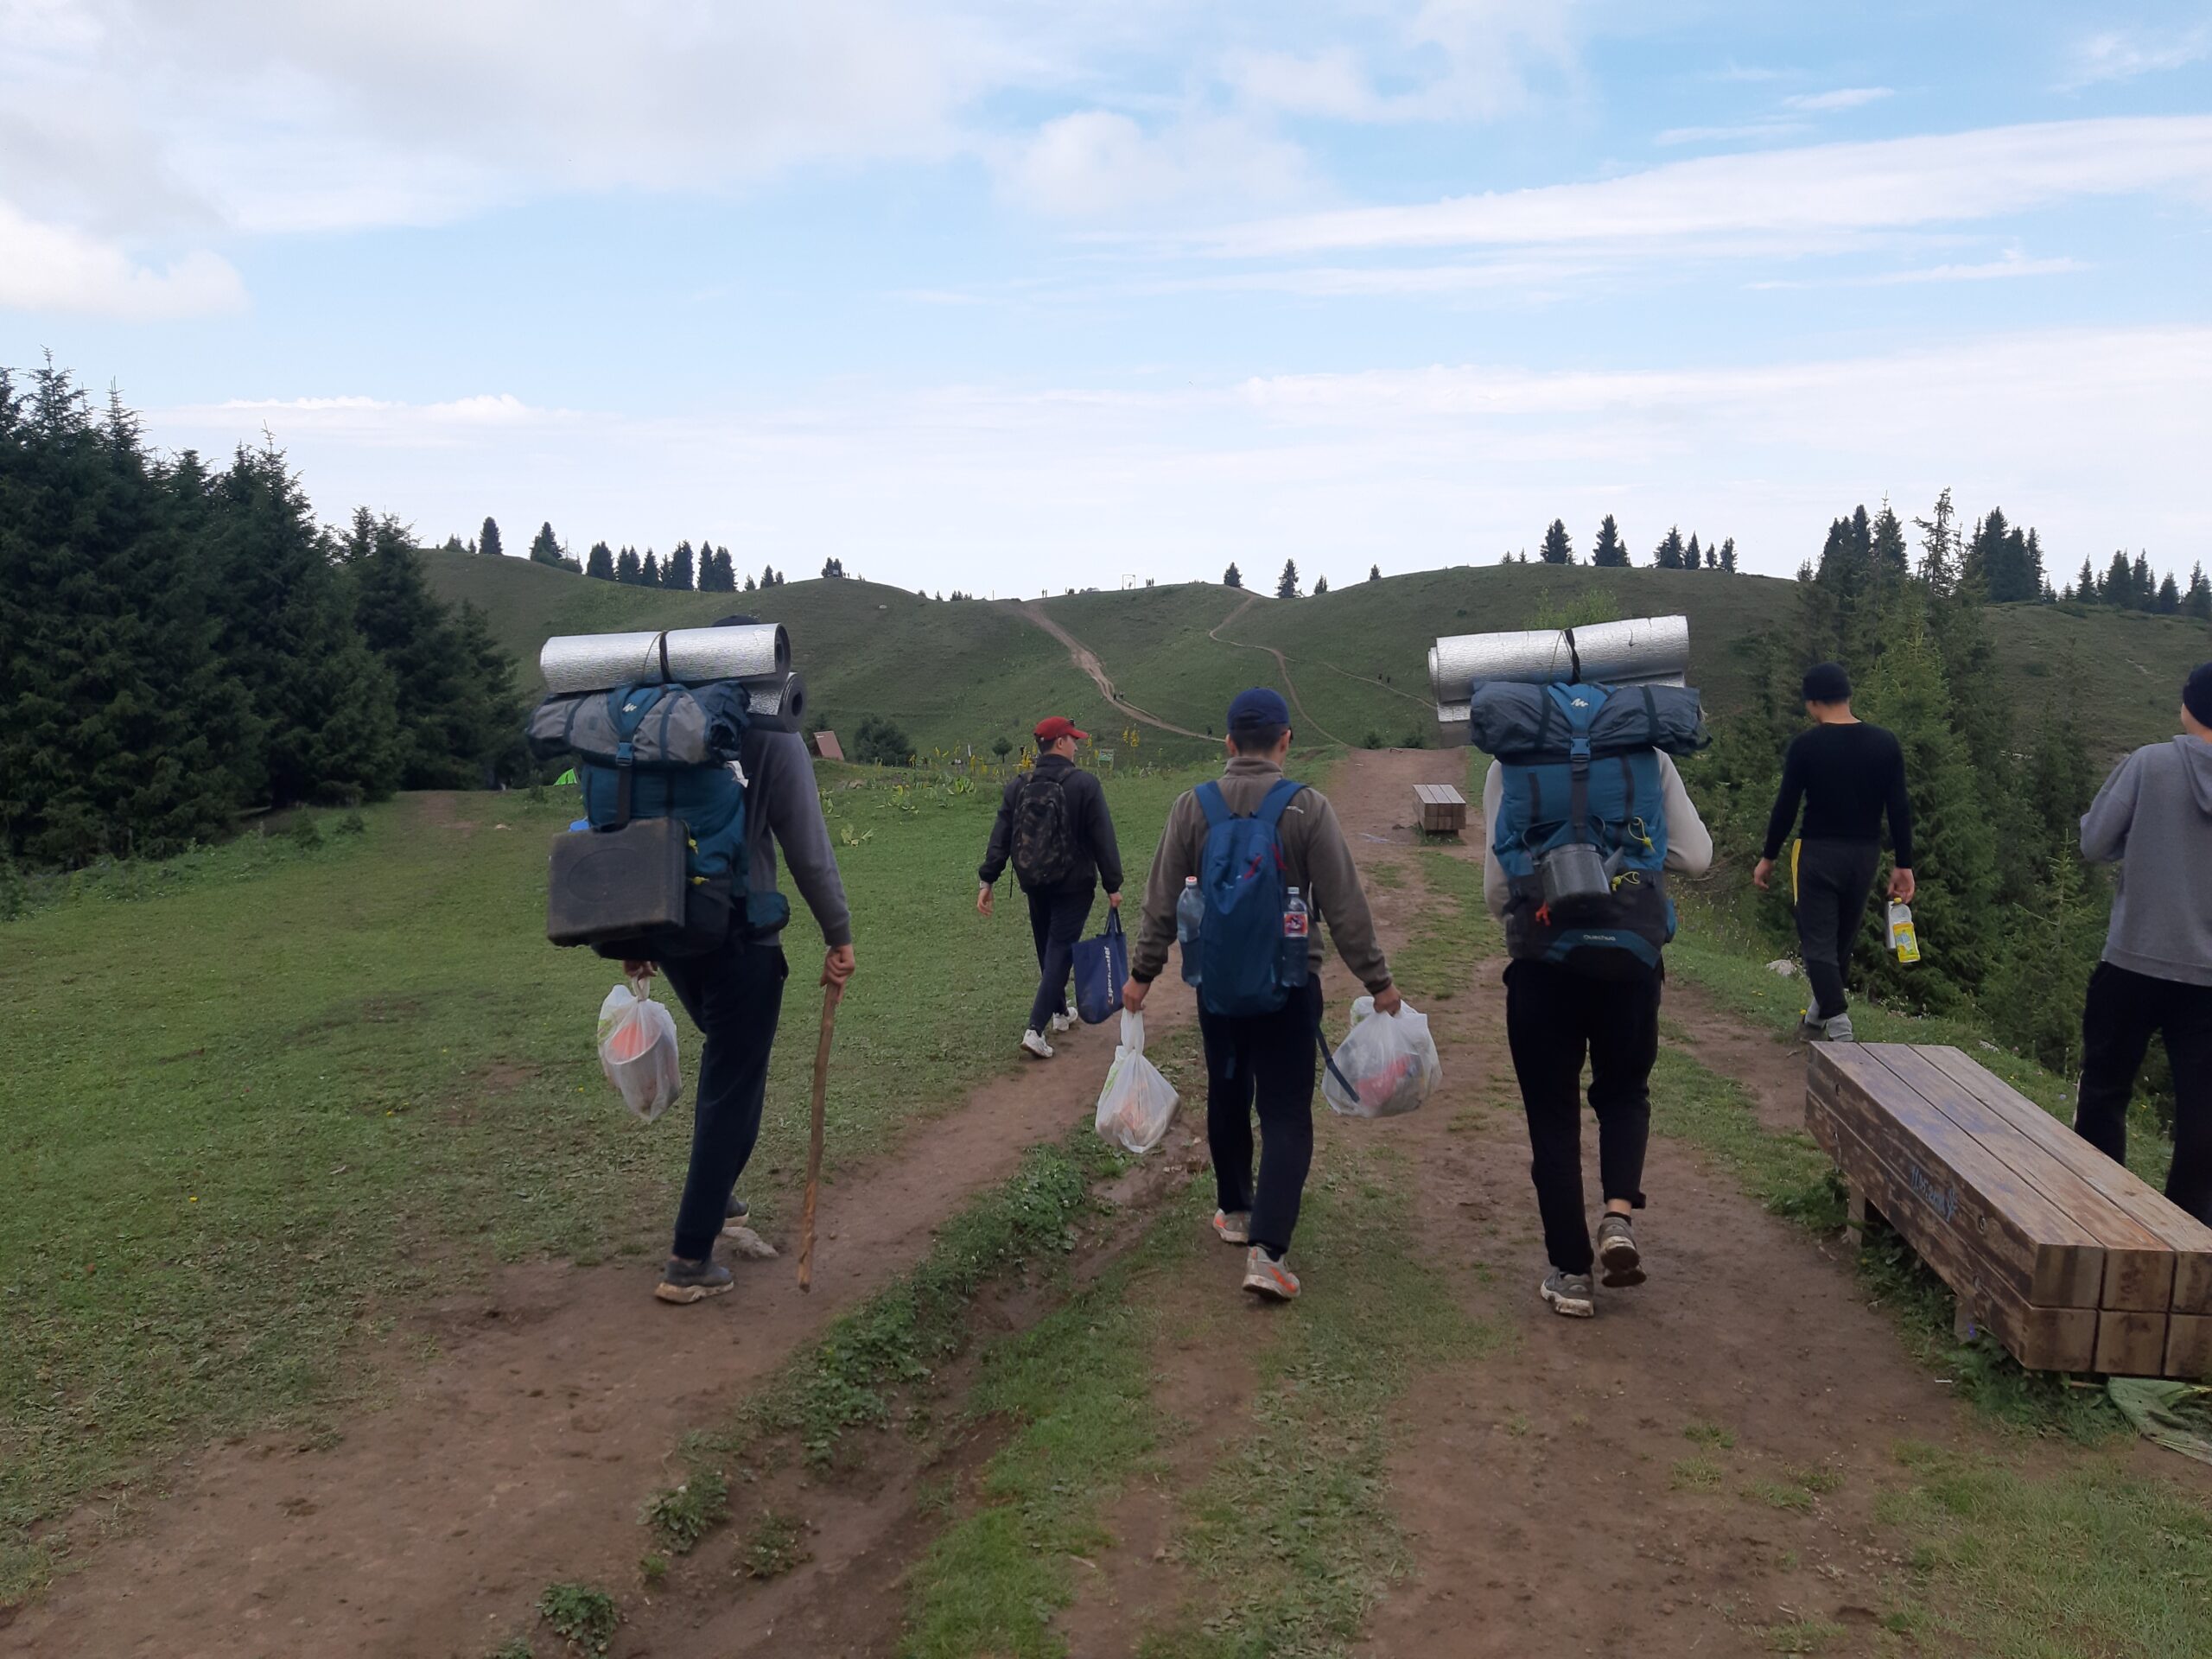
1084	658
1282	666
522	1452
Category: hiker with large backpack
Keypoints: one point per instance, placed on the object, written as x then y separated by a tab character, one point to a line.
688	769
1266	858
1054	827
1587	815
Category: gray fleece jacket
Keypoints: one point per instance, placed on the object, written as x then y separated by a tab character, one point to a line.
2153	818
783	809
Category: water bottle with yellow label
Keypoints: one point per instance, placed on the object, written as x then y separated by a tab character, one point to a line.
1901	938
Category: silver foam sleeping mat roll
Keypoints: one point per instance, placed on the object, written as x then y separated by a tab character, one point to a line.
1642	650
780	703
599	662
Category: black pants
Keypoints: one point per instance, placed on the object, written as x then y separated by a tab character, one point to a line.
1057	919
1268	1060
1554	1017
1835	879
2124	1007
734	995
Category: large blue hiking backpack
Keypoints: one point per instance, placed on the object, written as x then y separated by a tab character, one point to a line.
661	870
1241	880
1581	824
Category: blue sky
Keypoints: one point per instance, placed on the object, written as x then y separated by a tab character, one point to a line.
1004	296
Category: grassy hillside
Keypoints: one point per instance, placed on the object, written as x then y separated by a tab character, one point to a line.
968	672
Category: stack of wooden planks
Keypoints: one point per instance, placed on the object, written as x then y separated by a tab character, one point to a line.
1443	809
2071	1262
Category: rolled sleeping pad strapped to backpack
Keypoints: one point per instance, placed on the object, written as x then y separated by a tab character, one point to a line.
1644	650
600	662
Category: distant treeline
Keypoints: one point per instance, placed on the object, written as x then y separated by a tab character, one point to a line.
181	645
2011	919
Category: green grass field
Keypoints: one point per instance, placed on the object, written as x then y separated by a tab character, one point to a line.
965	673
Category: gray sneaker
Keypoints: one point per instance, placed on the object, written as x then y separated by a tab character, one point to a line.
1570	1295
682	1281
1839	1030
1617	1255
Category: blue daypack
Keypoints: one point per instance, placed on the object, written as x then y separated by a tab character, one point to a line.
654	753
1581	835
1241	879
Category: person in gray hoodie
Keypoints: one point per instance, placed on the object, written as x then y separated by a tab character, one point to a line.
2153	818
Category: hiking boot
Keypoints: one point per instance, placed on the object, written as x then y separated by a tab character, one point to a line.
733	1215
1033	1042
1617	1255
1810	1029
692	1282
1234	1226
1267	1276
1063	1024
1839	1030
1570	1295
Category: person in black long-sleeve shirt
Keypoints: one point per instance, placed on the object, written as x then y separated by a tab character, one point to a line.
1847	775
1055	813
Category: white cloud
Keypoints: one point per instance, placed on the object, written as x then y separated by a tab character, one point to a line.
1749	131
380	423
2011	264
1816	192
56	269
1844	97
1100	164
2122	54
1442	60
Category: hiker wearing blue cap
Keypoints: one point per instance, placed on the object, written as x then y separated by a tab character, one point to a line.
1264	855
1848	775
2153	818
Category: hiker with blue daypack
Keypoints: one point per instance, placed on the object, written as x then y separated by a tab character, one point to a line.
688	768
1267	858
1586	813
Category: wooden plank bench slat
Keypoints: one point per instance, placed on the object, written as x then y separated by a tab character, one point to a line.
2188	1346
2038	1252
2189	1239
2139	1273
1443	809
2045	1338
2130	1344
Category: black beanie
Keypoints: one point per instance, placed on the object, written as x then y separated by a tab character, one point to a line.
1827	683
2196	693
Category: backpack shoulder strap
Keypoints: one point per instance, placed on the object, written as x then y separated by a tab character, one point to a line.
1277	801
1212	803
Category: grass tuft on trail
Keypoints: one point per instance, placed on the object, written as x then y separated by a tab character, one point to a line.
1292	1532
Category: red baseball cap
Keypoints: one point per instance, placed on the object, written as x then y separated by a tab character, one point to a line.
1053	728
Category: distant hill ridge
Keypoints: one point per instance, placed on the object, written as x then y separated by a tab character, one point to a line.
955	672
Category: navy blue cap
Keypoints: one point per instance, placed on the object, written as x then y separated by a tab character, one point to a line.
1827	683
1258	707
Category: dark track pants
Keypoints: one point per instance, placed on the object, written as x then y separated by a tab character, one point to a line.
1834	879
1266	1060
2123	1010
1057	919
1553	1018
734	995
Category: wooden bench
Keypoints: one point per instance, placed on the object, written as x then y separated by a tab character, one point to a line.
1443	809
2069	1260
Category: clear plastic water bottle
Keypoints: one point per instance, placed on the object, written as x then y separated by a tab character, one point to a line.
1290	964
1190	917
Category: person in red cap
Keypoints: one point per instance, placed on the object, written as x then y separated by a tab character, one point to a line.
1053	826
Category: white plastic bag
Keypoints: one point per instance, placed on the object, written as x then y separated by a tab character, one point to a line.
1389	1060
636	1049
1137	1103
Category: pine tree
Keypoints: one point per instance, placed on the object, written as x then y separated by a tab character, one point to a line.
1321	585
767	577
627	568
648	573
1693	556
677	572
1728	556
2142	590
1939	548
545	546
1287	584
749	587
1667	556
1609	549
601	561
2117	589
1890	560
1374	573
2197	602
1232	577
2169	596
1557	547
2085	585
488	539
725	576
833	568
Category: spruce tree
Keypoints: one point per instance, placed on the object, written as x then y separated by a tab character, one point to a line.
2118	587
1232	577
2085	585
648	573
1609	549
2169	596
488	539
749	587
1287	584
601	564
1890	560
767	578
725	576
1728	556
1557	547
545	546
1939	547
1321	585
2142	589
1693	556
677	572
2197	602
627	568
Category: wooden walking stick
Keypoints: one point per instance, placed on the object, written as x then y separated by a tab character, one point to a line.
831	996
